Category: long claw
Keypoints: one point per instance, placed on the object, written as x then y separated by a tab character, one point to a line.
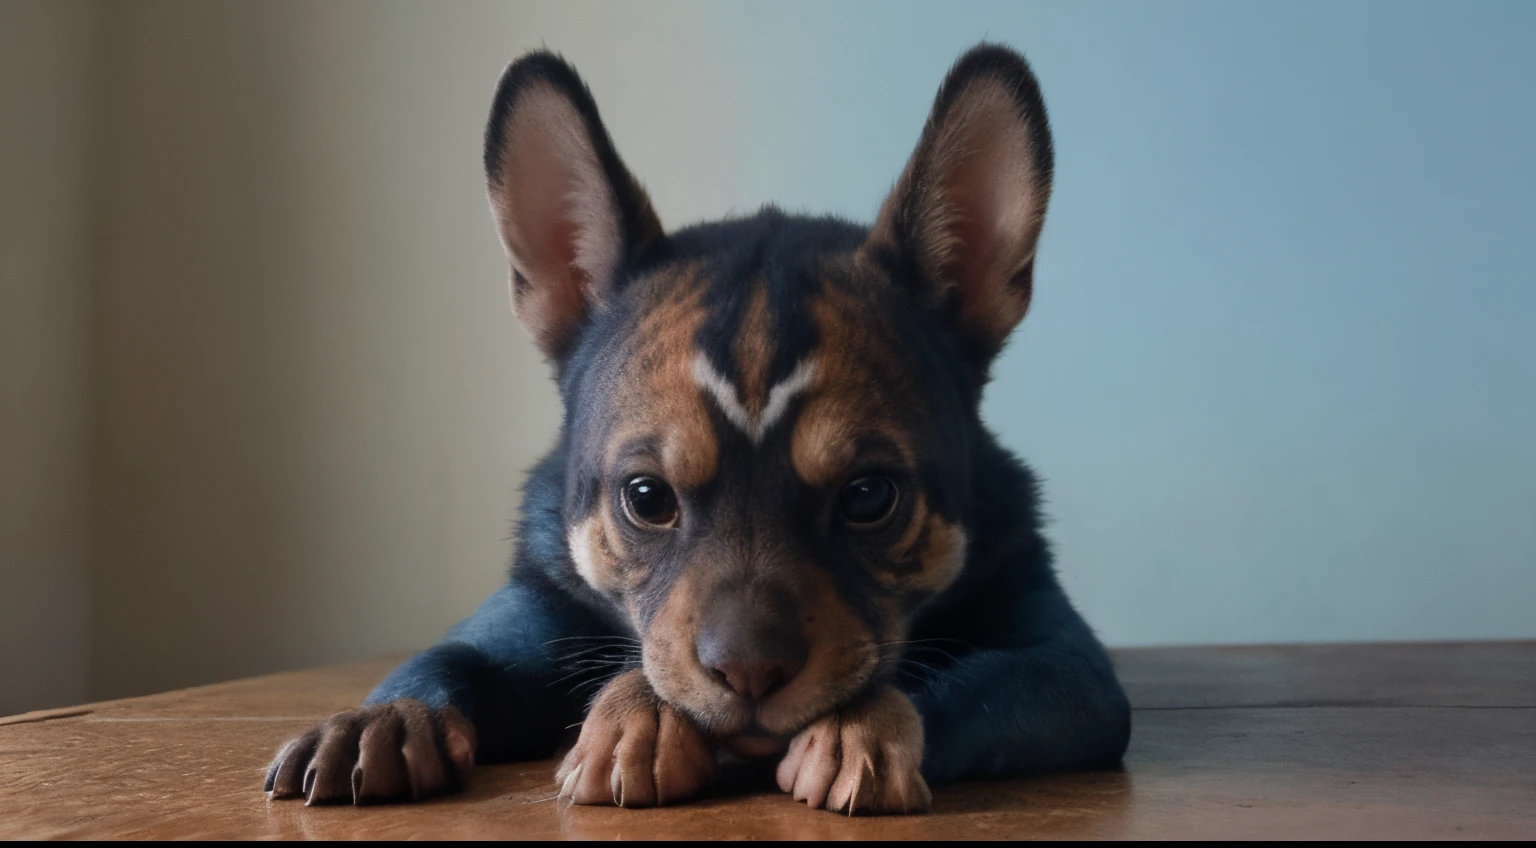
568	789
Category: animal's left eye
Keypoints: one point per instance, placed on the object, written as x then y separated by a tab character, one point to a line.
867	501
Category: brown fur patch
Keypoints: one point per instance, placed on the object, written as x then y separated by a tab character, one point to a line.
928	556
858	378
754	349
654	400
655	394
823	444
942	558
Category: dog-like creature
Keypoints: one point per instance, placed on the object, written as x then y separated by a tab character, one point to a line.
774	523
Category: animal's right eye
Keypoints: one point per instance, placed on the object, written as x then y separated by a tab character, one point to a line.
650	502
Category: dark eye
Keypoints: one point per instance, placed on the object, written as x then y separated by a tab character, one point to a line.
867	501
650	501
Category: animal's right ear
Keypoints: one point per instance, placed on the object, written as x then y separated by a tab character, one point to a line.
569	212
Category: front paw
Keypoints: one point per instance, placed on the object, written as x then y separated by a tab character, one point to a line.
402	750
635	751
865	758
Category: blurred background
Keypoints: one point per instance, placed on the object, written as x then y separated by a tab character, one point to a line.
263	404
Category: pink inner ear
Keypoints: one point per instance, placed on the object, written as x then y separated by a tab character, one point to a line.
540	228
558	217
994	208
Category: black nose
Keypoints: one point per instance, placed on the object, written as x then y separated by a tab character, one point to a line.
753	658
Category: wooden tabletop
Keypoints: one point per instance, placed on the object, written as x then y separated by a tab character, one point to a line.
1400	741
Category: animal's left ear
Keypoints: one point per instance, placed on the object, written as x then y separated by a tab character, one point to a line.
966	214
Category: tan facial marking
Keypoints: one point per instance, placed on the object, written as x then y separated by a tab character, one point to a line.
826	438
823	445
596	549
851	400
754	351
671	662
942	559
857	392
916	530
935	549
842	656
581	543
654	398
657	394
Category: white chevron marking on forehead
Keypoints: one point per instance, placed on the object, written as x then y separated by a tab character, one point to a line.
729	401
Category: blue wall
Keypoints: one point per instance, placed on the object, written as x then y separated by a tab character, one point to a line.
1280	374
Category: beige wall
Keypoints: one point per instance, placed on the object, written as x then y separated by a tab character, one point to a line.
315	408
264	403
45	249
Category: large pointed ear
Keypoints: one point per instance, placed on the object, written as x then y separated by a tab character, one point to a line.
966	214
569	212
